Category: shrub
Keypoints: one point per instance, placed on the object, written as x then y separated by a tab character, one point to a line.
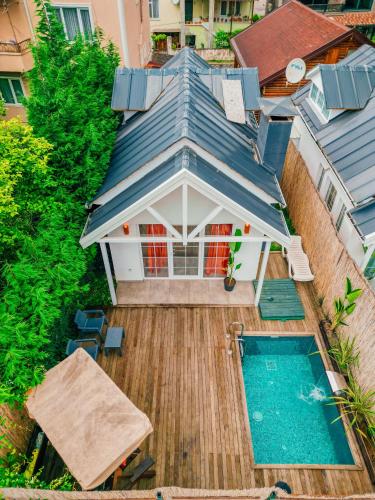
222	38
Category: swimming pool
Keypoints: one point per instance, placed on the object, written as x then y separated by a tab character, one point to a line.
287	391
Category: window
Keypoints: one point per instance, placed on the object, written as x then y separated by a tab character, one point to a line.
216	253
321	178
76	20
230	8
358	5
330	196
11	90
153	7
318	98
154	254
340	218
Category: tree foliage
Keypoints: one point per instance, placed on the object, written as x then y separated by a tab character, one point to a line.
69	106
24	182
222	38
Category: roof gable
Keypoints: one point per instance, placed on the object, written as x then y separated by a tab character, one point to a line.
187	161
293	30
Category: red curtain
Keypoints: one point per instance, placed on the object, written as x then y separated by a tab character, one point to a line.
218	252
157	253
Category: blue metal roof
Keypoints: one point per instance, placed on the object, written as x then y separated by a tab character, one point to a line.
186	109
348	139
364	218
186	159
186	58
347	86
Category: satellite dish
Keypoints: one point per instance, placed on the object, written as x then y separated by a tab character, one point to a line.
295	71
175	2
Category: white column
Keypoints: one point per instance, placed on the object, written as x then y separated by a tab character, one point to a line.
123	32
182	23
367	256
211	15
184	214
108	273
262	272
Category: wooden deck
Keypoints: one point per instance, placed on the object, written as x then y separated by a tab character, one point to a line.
176	369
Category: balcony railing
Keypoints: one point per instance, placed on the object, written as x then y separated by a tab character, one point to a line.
14	47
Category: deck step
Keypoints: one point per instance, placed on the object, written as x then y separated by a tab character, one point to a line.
279	300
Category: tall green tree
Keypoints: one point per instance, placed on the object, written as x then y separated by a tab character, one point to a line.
71	88
69	106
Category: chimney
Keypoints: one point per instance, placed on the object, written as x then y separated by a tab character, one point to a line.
276	120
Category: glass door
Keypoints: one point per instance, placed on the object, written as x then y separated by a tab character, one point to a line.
185	257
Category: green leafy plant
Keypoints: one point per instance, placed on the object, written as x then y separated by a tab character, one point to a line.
234	247
345	306
358	405
12	475
49	276
222	38
346	354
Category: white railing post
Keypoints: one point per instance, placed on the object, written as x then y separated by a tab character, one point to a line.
262	272
108	273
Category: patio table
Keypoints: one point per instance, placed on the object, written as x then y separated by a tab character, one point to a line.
113	339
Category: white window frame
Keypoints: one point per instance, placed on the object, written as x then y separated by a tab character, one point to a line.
151	8
324	119
340	217
321	177
74	6
330	188
10	78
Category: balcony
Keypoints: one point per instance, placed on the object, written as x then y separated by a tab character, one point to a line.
15	56
347	6
14	47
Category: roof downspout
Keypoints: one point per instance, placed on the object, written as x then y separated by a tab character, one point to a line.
123	33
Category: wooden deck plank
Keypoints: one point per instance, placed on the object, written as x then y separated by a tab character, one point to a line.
176	369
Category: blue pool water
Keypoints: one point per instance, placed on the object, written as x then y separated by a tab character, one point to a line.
287	391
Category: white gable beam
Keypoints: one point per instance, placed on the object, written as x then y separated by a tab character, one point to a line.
149	199
237	210
204	222
184	214
163	221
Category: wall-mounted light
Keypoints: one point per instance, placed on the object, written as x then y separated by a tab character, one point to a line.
246	228
126	229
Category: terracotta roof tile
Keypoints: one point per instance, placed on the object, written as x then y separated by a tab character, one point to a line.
292	30
355	18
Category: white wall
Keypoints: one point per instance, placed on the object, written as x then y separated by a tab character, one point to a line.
127	261
315	161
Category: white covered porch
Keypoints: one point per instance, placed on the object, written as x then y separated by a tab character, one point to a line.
184	292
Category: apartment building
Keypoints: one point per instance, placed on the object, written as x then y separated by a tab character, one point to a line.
125	22
194	23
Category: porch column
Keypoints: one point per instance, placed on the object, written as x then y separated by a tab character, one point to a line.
262	272
367	256
211	15
182	22
108	273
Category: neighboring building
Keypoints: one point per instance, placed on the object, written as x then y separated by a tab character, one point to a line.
194	23
337	6
183	177
293	30
126	22
361	21
335	135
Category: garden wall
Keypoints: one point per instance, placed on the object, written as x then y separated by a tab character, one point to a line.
329	259
15	429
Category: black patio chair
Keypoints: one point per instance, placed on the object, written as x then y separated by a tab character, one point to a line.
90	321
92	350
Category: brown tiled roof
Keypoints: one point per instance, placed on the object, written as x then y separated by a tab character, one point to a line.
355	18
292	30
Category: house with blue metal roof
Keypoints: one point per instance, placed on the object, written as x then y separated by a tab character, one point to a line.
335	135
190	172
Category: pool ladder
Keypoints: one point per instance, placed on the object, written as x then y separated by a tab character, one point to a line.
234	337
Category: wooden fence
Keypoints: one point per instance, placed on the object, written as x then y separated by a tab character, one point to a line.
15	429
329	259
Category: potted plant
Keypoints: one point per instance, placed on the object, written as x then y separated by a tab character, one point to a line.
234	247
